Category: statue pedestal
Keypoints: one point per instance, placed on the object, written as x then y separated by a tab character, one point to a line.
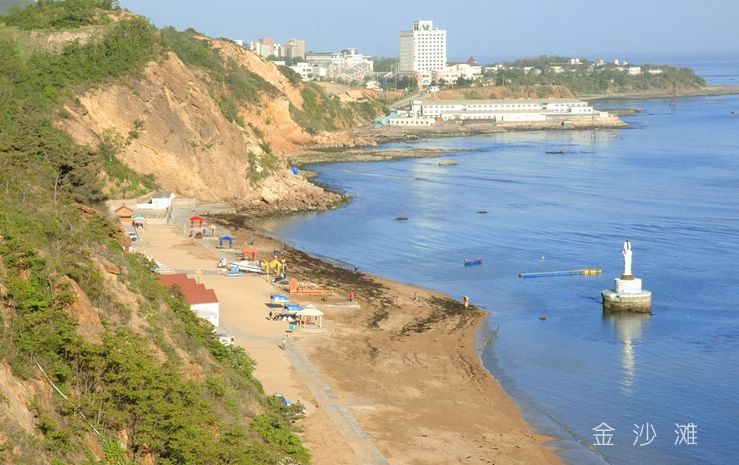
628	297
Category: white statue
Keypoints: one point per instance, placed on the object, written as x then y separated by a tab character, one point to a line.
627	258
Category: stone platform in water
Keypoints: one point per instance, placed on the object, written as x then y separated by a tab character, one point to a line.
628	297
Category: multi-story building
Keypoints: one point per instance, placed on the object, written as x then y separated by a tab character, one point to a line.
423	48
347	65
264	47
267	47
294	49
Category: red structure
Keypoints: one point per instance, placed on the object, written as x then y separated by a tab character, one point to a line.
307	289
196	219
249	253
194	292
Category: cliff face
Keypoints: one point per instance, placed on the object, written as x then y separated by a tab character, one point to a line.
175	130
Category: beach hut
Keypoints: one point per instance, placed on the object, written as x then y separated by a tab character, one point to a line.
203	301
311	314
123	212
197	233
224	240
196	219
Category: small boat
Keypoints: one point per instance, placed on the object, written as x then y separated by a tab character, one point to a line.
472	261
247	267
401	218
483	212
448	163
556	152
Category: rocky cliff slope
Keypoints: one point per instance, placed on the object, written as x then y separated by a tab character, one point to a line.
215	132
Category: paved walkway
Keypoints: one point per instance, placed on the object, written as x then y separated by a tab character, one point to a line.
336	409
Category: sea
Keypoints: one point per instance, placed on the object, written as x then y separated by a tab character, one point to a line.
660	389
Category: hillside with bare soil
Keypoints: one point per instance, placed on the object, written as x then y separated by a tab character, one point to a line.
210	120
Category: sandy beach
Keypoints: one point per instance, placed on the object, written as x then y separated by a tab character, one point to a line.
395	379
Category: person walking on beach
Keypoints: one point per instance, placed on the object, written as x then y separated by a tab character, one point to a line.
466	302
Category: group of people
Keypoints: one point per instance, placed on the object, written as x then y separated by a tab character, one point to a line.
290	318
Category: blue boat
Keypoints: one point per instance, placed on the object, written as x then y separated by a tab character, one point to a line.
472	261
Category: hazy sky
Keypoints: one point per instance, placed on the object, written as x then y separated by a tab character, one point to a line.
497	29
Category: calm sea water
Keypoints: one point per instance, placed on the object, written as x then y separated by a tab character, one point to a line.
670	185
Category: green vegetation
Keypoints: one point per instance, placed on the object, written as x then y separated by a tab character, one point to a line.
50	14
230	110
123	381
247	86
291	75
366	109
595	78
385	64
126	183
320	112
193	51
237	83
262	166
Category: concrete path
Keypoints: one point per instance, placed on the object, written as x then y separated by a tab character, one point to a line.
336	408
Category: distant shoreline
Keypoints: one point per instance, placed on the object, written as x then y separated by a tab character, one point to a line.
705	91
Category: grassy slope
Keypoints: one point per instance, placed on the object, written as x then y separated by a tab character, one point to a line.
131	383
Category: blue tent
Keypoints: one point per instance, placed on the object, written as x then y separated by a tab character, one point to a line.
279	298
293	308
228	239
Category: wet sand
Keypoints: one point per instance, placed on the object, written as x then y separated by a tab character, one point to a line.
396	379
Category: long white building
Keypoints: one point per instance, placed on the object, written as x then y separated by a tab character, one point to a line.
423	48
502	110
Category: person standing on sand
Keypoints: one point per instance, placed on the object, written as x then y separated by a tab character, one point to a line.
466	302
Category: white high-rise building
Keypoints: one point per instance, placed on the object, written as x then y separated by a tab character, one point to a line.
423	48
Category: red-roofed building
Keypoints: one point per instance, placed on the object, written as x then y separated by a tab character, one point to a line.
203	301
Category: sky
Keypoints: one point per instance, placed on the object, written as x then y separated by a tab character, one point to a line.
491	29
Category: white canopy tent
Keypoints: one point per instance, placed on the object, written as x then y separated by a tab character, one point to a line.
310	314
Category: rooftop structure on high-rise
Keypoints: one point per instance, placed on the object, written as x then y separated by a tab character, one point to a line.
423	48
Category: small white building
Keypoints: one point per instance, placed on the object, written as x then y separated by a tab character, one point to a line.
347	65
410	121
634	70
160	201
